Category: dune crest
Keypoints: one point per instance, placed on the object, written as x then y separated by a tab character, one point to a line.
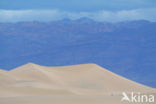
75	80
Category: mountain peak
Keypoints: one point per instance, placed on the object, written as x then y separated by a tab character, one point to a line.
66	19
85	19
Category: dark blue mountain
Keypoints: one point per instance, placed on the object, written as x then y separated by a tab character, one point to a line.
126	48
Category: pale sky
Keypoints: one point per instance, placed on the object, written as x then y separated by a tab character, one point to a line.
99	10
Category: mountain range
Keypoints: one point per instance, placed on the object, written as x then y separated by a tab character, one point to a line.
127	48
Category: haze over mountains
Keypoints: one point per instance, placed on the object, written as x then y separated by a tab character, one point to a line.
126	48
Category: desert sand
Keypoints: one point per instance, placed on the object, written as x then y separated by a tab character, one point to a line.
77	84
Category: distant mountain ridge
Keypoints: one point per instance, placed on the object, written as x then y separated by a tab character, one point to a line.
126	48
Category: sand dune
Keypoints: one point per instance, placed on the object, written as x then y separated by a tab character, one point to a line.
78	84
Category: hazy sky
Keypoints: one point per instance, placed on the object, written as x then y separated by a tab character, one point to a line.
100	10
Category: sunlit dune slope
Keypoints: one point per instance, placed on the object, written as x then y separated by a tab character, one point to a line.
82	79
